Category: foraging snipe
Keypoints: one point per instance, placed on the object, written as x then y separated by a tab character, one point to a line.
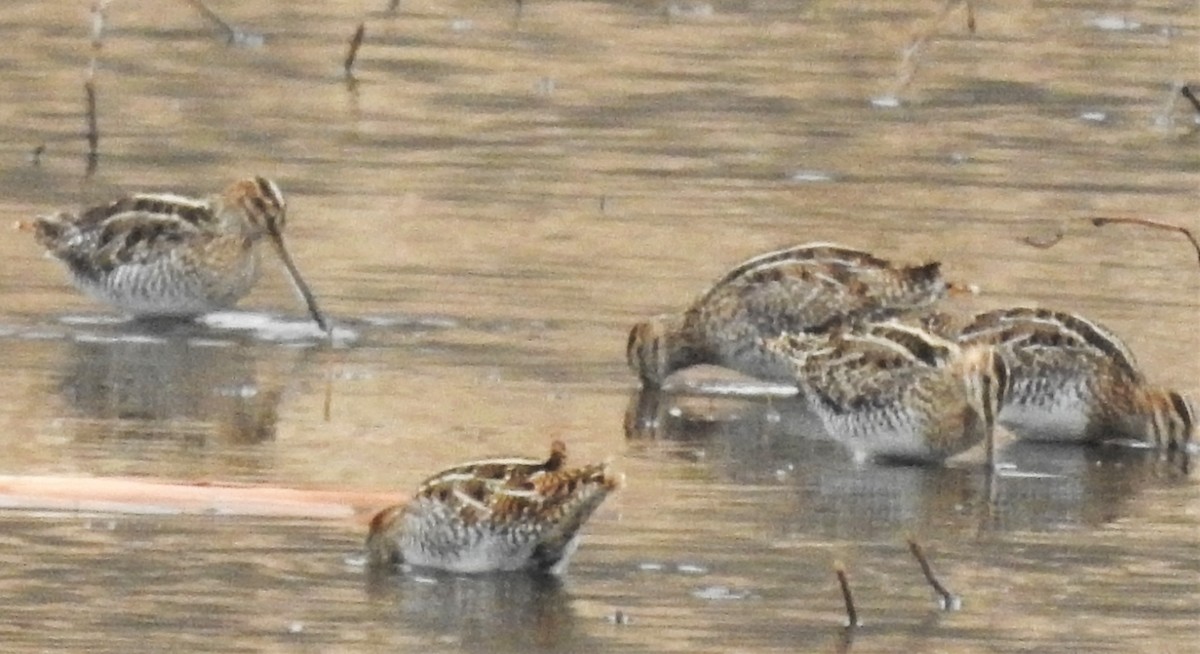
167	255
894	392
494	515
793	290
1074	381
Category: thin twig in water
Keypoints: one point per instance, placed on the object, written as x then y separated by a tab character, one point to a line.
35	157
352	53
948	600
970	16
1153	224
844	583
393	4
1187	93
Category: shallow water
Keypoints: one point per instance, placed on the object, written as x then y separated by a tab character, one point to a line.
487	210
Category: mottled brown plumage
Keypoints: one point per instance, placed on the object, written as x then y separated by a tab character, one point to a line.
895	392
168	255
1073	380
799	289
493	515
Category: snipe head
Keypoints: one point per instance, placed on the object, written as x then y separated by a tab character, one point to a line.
259	204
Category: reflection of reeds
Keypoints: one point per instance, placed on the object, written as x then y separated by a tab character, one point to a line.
233	35
212	17
851	613
93	133
352	53
948	600
910	55
89	85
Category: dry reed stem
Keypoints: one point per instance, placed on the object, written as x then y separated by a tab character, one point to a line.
1152	224
851	613
949	601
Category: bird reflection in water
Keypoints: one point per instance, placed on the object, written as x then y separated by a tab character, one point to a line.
1037	487
491	612
152	384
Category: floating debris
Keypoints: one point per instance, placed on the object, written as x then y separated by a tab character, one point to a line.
811	176
1044	242
721	593
688	10
885	102
1114	23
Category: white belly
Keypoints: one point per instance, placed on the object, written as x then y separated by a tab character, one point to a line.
1061	422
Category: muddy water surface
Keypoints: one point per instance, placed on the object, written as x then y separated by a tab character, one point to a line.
487	210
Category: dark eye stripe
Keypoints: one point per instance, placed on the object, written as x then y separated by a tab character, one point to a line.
260	205
269	191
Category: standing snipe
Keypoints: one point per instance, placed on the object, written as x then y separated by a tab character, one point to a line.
167	255
793	290
495	515
1074	381
893	392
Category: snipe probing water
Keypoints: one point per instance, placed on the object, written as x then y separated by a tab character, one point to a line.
153	255
793	290
492	516
1073	381
893	392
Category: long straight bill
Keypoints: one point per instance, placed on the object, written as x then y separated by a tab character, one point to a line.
298	281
